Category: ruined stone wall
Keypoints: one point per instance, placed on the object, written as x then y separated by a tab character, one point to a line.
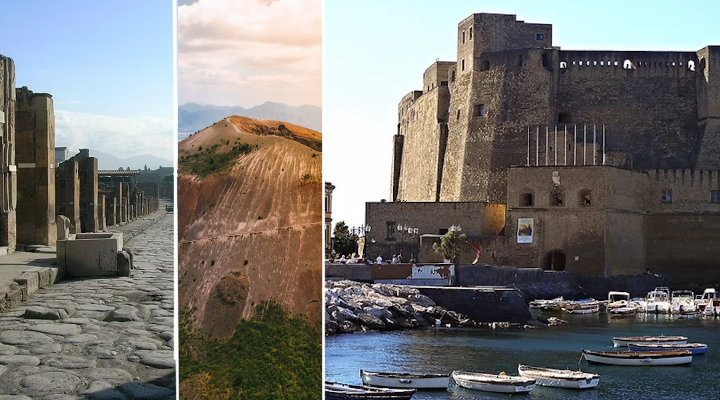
88	172
8	175
35	136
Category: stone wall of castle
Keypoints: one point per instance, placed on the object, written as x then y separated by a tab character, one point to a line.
662	109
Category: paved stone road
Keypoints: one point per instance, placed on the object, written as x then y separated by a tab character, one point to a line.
116	341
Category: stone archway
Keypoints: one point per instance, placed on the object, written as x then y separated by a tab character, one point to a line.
555	260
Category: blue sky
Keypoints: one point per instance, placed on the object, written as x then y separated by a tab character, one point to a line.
108	65
376	51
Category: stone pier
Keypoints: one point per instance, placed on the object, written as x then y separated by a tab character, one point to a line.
35	153
67	193
8	169
88	170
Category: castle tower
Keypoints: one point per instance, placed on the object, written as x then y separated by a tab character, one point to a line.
505	80
709	107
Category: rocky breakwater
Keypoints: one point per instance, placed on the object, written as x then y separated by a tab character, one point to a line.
352	306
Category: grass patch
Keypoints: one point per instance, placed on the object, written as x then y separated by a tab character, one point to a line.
271	356
210	161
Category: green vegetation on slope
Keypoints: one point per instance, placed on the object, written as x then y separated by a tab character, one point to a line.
271	356
283	131
209	161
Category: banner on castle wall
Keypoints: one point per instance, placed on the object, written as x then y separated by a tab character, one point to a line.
525	230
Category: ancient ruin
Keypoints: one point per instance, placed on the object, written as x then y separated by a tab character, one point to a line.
597	162
35	190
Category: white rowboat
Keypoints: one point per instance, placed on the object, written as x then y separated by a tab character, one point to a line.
493	383
341	391
404	380
636	358
625	340
559	378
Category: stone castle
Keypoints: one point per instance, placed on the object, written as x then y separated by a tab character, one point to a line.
611	155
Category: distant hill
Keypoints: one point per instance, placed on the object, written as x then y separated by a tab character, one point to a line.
193	117
108	161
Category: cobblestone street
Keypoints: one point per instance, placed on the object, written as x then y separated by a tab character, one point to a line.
113	338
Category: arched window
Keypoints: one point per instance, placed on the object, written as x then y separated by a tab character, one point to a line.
527	198
557	198
585	198
627	64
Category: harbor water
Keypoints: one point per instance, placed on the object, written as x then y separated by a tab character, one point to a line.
480	350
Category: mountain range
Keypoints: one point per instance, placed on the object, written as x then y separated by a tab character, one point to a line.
109	162
193	117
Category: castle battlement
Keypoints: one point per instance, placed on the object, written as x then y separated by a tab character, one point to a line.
467	125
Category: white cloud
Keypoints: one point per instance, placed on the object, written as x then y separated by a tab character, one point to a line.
248	52
122	137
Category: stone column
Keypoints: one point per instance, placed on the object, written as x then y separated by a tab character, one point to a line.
35	152
67	193
119	216
8	169
110	212
101	213
87	166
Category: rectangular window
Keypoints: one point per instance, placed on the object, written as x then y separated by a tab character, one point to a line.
715	196
471	32
667	196
540	36
462	65
443	83
463	37
480	110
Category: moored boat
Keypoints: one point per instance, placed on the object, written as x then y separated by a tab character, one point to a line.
405	380
559	378
695	348
341	391
584	306
623	341
635	358
683	302
493	383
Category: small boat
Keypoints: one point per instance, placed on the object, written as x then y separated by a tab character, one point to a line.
584	306
706	299
341	391
559	378
683	302
712	309
493	383
695	348
555	304
656	301
404	380
634	358
624	341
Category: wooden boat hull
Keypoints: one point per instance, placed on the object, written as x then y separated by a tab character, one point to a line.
339	391
475	381
653	358
695	348
405	381
557	380
625	341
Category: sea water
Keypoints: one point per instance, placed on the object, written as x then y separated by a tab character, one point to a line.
442	350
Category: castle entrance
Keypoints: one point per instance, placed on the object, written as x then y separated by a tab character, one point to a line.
555	260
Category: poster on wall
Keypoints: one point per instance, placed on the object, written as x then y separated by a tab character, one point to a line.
525	230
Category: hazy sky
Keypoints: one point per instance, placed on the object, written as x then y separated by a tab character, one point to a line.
376	51
248	52
107	64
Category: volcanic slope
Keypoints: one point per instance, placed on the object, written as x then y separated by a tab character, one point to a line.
249	222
